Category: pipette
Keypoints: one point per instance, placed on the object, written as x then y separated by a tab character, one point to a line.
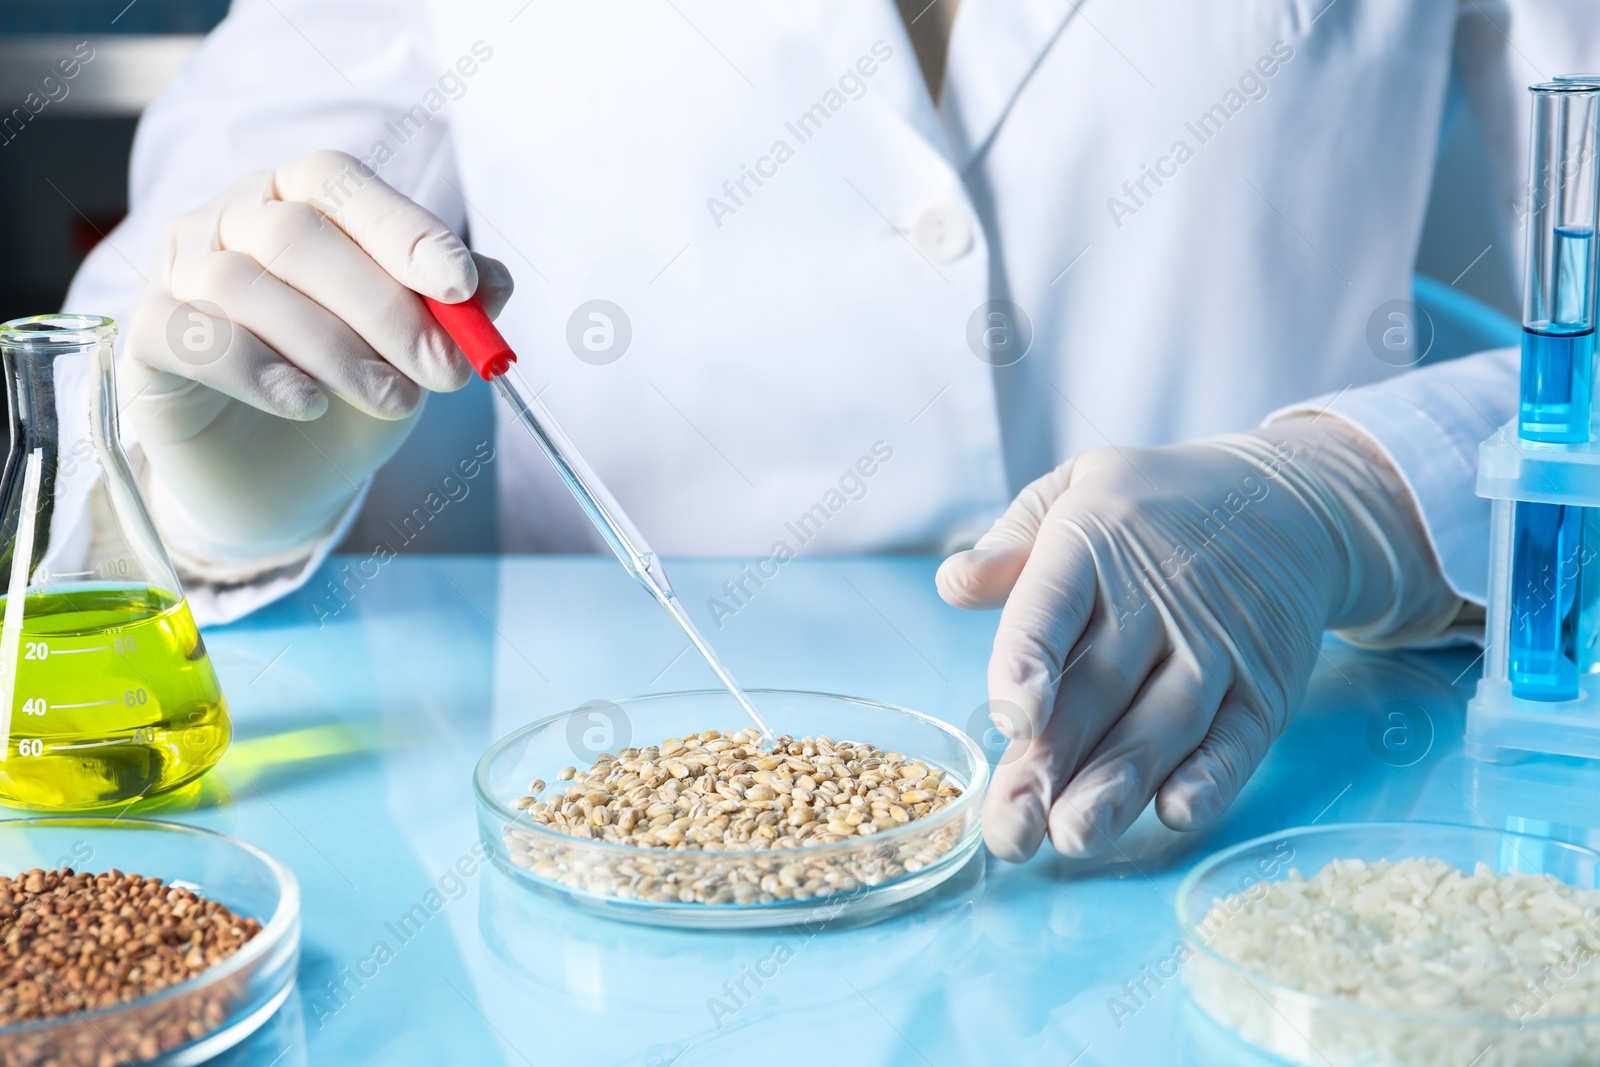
469	326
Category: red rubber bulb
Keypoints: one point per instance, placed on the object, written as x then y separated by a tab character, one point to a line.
470	328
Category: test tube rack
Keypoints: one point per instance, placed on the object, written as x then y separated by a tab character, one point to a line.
1511	469
1540	691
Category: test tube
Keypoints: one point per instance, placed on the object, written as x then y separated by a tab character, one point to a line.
1558	352
1547	563
1589	636
1559	302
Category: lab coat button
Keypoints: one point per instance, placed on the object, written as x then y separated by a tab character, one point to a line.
942	233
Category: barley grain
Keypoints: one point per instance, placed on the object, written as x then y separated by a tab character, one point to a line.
721	797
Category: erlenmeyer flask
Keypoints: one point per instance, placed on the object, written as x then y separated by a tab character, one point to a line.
106	691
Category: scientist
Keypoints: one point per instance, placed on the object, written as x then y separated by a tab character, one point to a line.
1009	248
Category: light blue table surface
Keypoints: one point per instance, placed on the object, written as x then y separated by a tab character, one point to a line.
356	739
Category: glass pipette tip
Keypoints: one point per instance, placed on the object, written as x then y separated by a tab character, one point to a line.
469	325
675	609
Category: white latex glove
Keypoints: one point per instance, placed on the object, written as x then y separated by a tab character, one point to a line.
1163	610
279	355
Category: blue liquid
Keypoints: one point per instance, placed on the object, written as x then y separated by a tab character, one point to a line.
1546	564
1557	376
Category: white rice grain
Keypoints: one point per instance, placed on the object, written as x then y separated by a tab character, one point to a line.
1413	936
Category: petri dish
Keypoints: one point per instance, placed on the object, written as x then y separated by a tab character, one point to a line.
228	1001
641	970
870	878
1296	1027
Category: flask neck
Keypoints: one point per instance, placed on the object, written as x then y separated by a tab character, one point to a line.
60	388
70	510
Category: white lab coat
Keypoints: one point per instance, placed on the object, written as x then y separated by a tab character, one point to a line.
782	329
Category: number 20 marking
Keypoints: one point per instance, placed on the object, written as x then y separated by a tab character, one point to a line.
36	650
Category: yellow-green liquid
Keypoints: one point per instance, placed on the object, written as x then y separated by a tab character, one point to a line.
115	699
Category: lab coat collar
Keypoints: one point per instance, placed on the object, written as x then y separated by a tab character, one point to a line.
995	46
846	29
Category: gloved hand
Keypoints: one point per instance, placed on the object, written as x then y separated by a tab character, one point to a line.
279	353
1163	610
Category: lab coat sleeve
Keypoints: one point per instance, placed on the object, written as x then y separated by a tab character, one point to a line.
1428	425
1429	422
275	80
